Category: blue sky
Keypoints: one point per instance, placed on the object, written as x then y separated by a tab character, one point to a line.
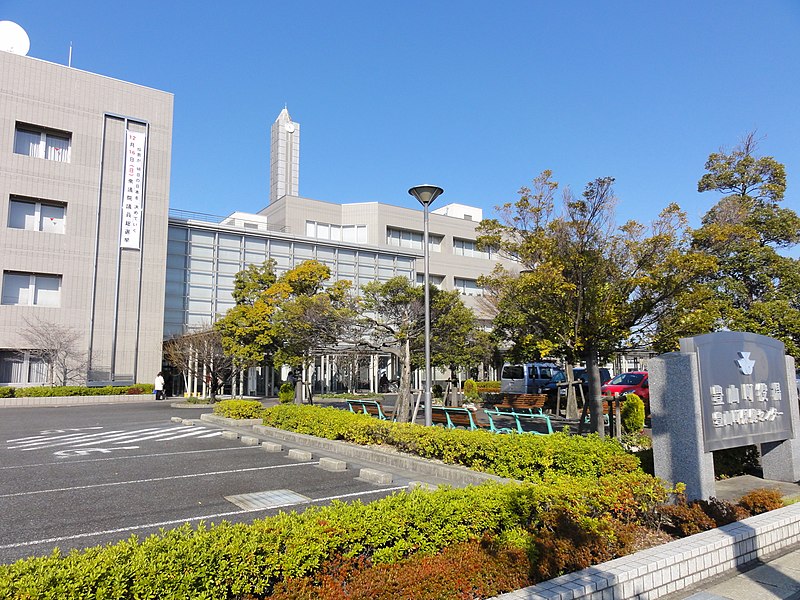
477	97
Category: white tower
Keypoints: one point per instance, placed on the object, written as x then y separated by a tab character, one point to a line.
284	168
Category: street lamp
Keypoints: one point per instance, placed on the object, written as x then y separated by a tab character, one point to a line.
426	194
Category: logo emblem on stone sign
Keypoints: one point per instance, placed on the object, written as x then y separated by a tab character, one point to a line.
745	364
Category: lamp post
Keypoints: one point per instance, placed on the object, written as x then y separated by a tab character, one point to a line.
426	194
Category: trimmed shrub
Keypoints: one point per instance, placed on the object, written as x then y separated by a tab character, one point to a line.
437	390
686	519
235	560
632	414
488	386
569	543
6	391
348	396
286	393
474	569
471	390
239	409
523	457
761	500
79	390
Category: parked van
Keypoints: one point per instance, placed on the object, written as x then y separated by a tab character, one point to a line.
526	378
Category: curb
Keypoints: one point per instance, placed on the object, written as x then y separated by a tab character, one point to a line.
396	460
36	401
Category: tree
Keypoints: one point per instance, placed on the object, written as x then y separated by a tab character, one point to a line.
288	318
585	286
456	338
57	346
754	287
392	313
393	317
201	355
311	319
245	332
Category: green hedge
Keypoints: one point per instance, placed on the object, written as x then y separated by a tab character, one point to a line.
523	457
236	560
239	409
488	386
349	396
77	390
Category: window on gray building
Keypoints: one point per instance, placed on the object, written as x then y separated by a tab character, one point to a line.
36	215
21	367
405	238
31	289
38	142
436	280
463	247
468	287
336	233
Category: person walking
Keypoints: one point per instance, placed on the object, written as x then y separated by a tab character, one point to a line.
158	386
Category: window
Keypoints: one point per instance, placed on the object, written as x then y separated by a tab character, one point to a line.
469	248
436	280
36	215
468	287
31	289
21	367
404	238
337	233
354	233
37	142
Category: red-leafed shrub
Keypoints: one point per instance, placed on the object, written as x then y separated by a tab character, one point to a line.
464	571
569	543
761	500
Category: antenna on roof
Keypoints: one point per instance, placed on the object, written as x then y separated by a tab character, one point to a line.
69	63
13	38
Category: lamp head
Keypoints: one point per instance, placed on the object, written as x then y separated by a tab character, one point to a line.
426	193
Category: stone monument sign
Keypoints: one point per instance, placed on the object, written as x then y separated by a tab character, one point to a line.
723	390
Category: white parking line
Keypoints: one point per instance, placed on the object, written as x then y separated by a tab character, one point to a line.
181	521
77	462
135	481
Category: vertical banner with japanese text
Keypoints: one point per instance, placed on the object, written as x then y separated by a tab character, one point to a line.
132	190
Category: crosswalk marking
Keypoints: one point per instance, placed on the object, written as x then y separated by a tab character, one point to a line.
86	439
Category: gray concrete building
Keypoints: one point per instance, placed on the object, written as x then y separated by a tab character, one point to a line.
88	243
83	219
360	242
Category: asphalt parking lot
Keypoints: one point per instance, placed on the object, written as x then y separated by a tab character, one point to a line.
75	477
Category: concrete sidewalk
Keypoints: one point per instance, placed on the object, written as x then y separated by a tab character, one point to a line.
774	578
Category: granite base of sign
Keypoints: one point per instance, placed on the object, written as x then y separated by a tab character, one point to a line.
678	451
723	390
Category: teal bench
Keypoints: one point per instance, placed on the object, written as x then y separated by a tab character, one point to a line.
453	417
368	407
518	417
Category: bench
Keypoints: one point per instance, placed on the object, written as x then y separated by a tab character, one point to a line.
453	416
522	403
368	407
609	411
519	418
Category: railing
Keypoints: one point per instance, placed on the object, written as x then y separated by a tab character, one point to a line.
235	221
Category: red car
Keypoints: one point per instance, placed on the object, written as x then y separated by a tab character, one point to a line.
625	383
